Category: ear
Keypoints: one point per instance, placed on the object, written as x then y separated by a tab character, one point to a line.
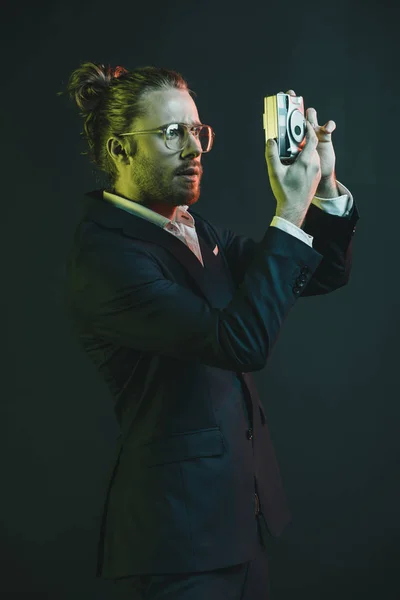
117	151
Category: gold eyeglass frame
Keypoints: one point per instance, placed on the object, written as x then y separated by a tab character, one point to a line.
188	128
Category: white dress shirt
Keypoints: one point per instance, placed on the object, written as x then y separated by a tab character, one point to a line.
183	226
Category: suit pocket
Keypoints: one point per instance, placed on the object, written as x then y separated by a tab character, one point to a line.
183	446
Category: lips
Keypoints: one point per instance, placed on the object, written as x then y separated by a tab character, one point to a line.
191	171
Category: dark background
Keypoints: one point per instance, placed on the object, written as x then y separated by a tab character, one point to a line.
330	388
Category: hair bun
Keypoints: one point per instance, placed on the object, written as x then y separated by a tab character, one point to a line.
89	83
92	82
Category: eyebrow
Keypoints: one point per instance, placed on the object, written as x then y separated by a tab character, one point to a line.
193	124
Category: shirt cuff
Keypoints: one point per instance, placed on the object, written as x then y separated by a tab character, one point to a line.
340	206
292	229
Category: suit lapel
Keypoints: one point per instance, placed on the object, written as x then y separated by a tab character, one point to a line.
213	280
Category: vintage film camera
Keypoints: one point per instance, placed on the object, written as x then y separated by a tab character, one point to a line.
284	120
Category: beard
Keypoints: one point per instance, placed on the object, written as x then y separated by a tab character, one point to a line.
155	185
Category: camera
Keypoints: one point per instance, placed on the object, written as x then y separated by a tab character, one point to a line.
284	120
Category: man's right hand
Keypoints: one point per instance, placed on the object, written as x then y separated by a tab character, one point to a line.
294	185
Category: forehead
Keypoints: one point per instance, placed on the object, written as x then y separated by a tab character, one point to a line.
168	106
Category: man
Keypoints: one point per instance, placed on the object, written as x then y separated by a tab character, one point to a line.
176	313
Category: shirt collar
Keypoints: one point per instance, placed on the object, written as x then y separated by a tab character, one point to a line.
182	215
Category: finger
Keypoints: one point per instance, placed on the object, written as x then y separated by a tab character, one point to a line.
311	143
312	116
329	127
273	161
290	92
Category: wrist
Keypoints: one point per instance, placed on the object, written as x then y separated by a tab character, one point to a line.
295	217
327	188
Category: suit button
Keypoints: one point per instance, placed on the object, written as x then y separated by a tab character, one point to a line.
302	278
296	290
249	434
304	270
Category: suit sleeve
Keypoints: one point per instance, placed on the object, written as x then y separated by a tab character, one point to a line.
120	295
332	239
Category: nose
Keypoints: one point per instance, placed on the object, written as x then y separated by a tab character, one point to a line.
193	146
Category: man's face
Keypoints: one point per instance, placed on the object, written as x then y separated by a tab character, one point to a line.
151	177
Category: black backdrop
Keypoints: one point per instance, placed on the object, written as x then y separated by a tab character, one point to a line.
330	388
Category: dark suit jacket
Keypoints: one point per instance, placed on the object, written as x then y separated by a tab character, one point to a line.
176	344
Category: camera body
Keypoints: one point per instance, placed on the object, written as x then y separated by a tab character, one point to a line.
284	120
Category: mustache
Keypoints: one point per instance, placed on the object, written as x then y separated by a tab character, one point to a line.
195	168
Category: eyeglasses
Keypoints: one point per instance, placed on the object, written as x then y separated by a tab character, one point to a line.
176	135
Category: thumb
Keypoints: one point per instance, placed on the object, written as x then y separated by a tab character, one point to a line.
271	156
